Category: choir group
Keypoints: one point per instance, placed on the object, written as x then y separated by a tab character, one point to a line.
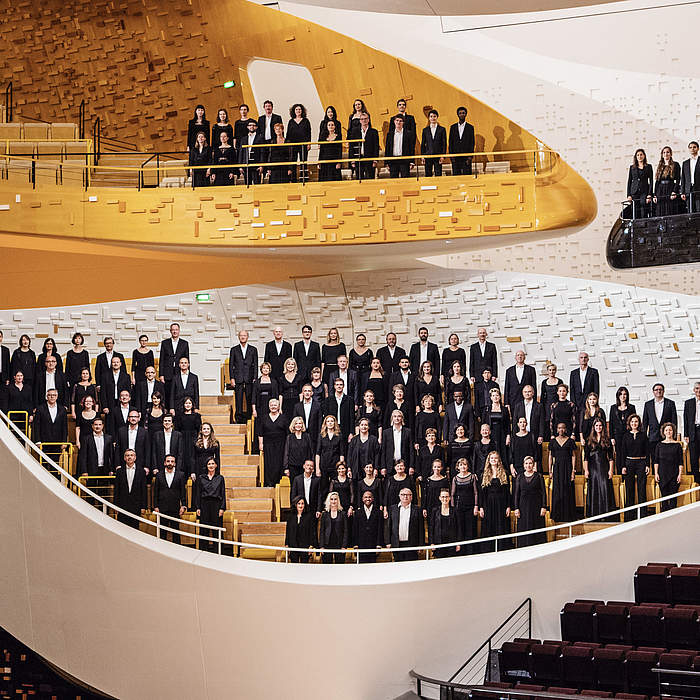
375	445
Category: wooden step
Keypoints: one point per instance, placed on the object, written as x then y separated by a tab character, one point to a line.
240	460
264	504
215	410
244	470
215	400
237	482
262	529
257	492
227	429
252	515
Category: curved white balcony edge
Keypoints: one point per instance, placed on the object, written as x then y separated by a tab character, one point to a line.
141	618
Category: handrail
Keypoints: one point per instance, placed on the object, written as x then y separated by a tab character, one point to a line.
9	96
427	548
96	129
81	119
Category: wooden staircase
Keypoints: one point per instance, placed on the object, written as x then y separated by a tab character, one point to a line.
251	508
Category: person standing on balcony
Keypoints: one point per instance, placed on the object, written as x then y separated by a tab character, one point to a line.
690	179
461	141
267	121
368	149
198	124
299	132
243	370
400	142
434	143
171	350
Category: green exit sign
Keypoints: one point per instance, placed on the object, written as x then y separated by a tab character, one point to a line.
229	84
204	296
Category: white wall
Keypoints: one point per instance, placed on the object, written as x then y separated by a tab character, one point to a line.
142	618
592	87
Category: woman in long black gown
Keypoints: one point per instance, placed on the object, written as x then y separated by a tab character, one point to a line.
598	470
189	423
279	156
454	380
522	445
272	440
330	449
431	487
427	384
362	449
465	499
426	419
497	415
562	470
483	447
24	360
152	419
331	350
377	383
299	132
494	506
297	449
619	415
358	108
590	412
530	504
668	465
343	485
301	530
210	503
640	185
334	530
563	411
223	154
667	184
372	483
200	156
20	398
443	527
141	359
317	385
264	389
451	354
83	388
198	124
222	124
289	385
359	360
399	403
330	155
76	359
548	390
427	453
460	447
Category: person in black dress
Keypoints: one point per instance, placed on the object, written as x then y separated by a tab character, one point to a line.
358	109
483	447
76	359
222	124
141	359
494	506
668	465
301	530
562	470
371	482
460	447
563	411
206	447
359	359
633	451
289	385
426	419
279	157
667	184
330	449
362	449
430	489
49	350
199	158
640	186
210	503
20	398
427	453
530	504
334	531
84	418
299	132
399	403
454	379
451	354
331	116
83	388
394	484
497	416
522	445
223	154
548	390
297	449
317	385
427	383
330	155
443	527
589	413
598	470
465	499
24	360
152	419
264	389
189	423
344	486
372	413
331	350
198	124
272	441
377	383
240	126
619	415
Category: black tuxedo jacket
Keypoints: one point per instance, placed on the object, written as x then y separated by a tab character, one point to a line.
169	499
433	356
578	392
416	526
107	388
87	456
243	371
397	378
140	399
40	388
306	362
314	423
462	145
115	421
409	123
353	386
142	447
477	361
430	146
347	413
407	452
513	388
343	529
274	119
252	155
313	504
46	430
135	500
5	365
179	392
537	421
689	419
389	364
277	360
686	186
168	365
653	426
368	533
158	455
408	145
102	366
451	421
371	143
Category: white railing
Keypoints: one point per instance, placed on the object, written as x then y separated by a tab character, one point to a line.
426	548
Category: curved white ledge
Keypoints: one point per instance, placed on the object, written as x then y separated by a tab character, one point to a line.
138	617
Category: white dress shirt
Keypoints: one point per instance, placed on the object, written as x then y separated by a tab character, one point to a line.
391	351
433	129
125	412
307	488
307	412
397	443
659	409
697	412
130	473
363	134
404	376
132	433
53	412
458	410
693	163
116	384
398	143
168	434
424	353
519	370
169	476
50	381
268	128
368	511
100	449
404	518
528	412
460	128
244	349
582	376
150	387
343	374
174	342
279	346
183	379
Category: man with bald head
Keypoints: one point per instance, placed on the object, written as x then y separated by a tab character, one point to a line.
583	381
277	351
482	354
518	376
243	371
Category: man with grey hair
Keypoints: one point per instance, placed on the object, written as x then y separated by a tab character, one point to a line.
277	352
691	431
243	371
583	381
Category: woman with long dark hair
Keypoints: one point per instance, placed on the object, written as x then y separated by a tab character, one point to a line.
198	124
330	154
299	132
598	470
667	184
640	185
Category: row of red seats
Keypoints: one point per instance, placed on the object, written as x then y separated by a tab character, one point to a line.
667	583
557	690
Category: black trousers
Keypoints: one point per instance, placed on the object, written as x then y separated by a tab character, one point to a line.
667	488
433	165
129	521
405	556
209	515
333	558
299	557
694	449
240	390
635	480
368	558
300	153
461	165
364	170
399	168
171	524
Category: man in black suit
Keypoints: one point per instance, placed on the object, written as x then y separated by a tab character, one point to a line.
400	142
517	377
103	363
134	437
690	179
169	496
390	355
458	413
129	488
368	528
310	411
482	391
171	350
118	416
96	455
369	148
351	386
406	527
658	411
267	120
4	374
51	377
307	486
50	425
184	384
143	399
423	351
583	381
243	371
307	353
482	354
113	383
166	442
691	431
433	143
396	444
409	121
461	141
340	405
405	377
276	352
251	153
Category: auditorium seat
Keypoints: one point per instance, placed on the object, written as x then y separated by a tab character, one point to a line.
20	168
685	585
577	666
493	685
49	158
675	662
527	640
35	132
681	628
562	690
531	688
596	693
609	669
545	663
630	696
578	622
64	131
652	585
10	131
640	678
514	661
690	566
666	565
613	623
646	625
